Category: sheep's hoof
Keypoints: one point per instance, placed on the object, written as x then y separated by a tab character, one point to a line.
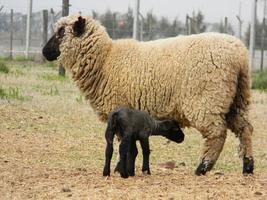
248	165
203	167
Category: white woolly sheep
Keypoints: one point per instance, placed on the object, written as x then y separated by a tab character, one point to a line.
131	125
202	81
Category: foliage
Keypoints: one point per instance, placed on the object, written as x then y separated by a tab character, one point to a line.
11	93
258	34
197	23
3	67
52	91
259	80
120	25
52	77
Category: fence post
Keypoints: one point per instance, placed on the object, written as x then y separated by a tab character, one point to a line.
263	35
45	27
65	12
225	25
11	35
28	31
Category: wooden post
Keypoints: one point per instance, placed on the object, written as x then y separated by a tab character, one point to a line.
45	28
28	31
11	34
252	34
65	12
187	24
113	25
136	19
225	25
263	35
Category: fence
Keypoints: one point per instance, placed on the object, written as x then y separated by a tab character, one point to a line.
118	25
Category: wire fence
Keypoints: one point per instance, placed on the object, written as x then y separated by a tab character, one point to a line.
118	25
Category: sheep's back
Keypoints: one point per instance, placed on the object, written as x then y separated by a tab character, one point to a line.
181	77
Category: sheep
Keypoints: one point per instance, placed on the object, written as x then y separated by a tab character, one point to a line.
201	81
131	125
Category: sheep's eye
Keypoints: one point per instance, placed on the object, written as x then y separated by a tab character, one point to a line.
61	32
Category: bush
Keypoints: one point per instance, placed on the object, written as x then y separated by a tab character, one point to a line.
259	80
3	68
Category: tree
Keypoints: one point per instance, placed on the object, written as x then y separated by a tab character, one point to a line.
258	32
197	23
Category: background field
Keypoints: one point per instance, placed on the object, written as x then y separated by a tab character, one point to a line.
52	147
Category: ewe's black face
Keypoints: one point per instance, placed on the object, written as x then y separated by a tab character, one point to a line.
51	50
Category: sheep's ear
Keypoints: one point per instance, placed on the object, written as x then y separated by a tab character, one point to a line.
79	27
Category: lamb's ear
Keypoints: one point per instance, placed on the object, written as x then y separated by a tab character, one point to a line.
79	27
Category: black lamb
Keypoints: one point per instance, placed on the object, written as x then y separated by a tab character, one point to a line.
131	125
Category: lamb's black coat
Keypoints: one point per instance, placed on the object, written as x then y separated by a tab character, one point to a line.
131	125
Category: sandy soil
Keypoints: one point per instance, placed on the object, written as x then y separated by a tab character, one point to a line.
52	147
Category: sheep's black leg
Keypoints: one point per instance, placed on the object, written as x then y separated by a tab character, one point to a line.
132	153
146	151
123	150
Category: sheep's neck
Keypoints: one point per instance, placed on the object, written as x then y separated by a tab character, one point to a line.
89	75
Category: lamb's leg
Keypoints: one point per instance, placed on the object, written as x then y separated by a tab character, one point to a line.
132	153
215	138
146	151
108	154
109	136
123	150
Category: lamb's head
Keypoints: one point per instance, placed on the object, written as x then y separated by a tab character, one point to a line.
171	130
73	39
73	25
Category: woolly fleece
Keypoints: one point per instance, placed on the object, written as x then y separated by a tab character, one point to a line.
200	80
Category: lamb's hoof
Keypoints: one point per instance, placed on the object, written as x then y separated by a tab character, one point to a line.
131	173
203	167
106	172
248	165
146	171
124	174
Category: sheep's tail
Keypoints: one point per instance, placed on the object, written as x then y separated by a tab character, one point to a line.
111	127
236	118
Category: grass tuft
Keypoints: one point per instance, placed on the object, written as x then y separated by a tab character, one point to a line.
11	93
52	77
259	80
3	67
53	91
51	64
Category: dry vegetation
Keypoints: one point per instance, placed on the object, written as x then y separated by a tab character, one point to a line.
52	147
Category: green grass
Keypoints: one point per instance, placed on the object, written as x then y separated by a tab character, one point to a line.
80	99
3	67
23	58
51	64
52	91
259	80
11	93
52	77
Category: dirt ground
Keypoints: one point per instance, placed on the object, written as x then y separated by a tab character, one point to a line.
52	147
